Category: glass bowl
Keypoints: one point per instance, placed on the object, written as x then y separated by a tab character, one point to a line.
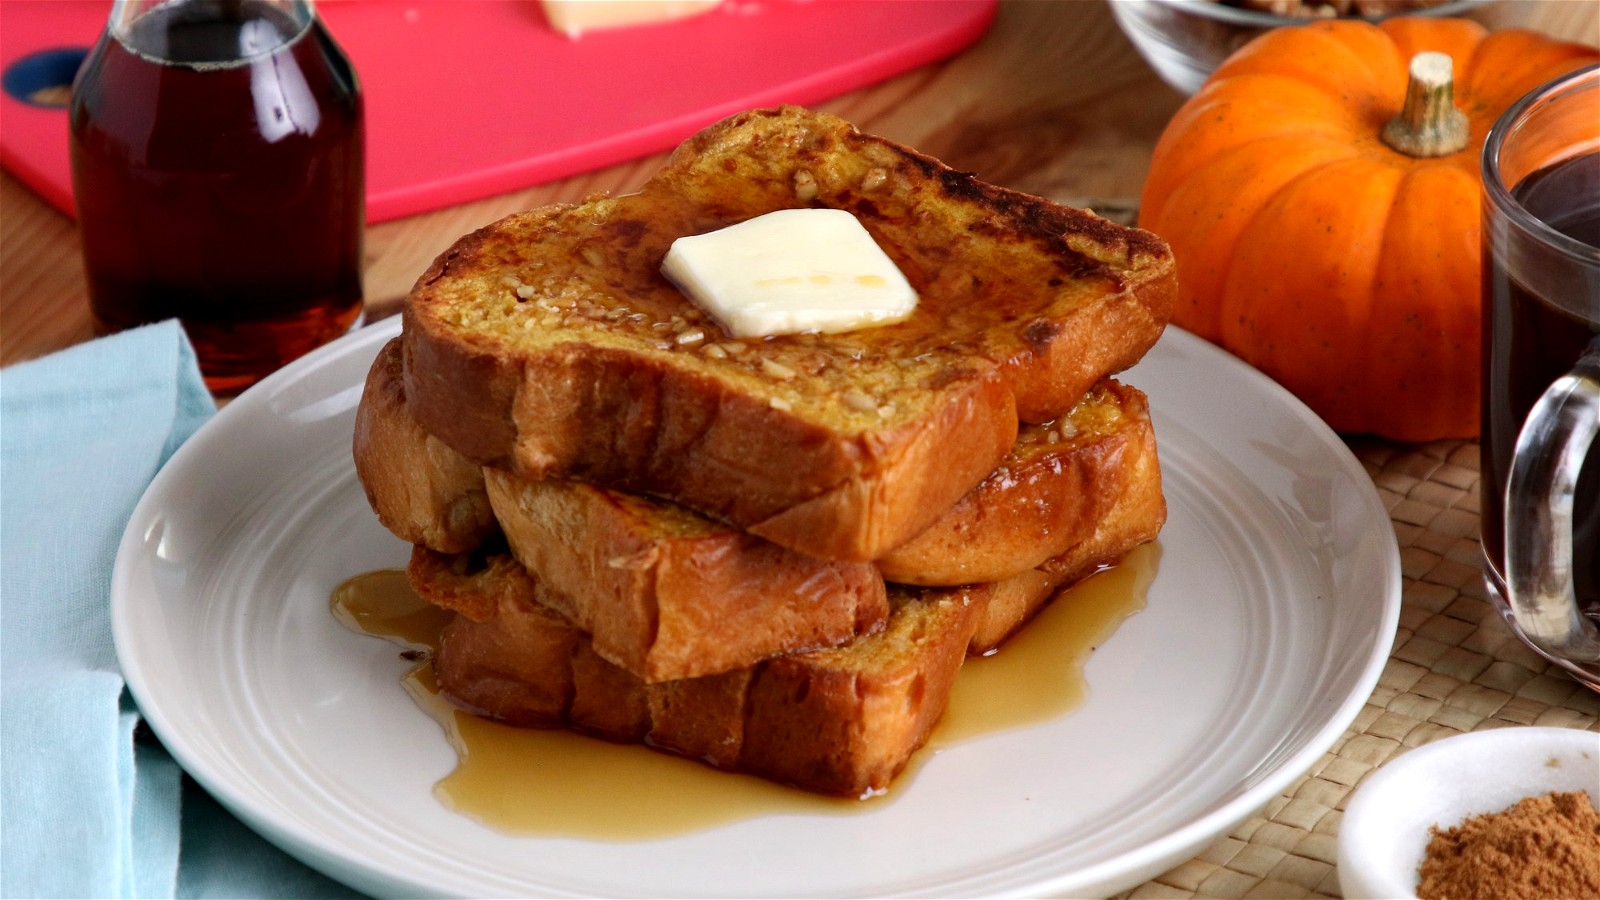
1184	40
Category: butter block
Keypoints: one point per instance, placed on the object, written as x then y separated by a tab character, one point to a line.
574	17
792	271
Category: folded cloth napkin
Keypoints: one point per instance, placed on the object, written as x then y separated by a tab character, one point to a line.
87	809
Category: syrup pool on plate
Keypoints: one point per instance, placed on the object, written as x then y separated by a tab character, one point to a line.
559	783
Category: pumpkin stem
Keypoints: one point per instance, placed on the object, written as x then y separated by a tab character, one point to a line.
1429	124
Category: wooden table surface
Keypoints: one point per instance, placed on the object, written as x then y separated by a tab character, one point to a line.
1052	101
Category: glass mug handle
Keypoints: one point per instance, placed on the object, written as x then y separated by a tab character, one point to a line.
1550	451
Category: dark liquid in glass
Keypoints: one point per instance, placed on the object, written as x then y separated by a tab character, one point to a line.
1535	341
222	191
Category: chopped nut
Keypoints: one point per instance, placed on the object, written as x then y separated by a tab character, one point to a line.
734	347
886	411
715	351
777	370
805	185
526	290
779	403
874	179
859	401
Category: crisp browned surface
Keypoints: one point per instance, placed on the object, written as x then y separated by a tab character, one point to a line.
666	594
1044	498
1135	516
421	489
550	344
843	720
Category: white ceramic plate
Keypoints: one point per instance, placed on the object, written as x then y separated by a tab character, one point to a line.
1268	622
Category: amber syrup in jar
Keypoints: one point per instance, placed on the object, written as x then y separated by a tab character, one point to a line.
218	166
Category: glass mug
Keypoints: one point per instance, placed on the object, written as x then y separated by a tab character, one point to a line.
1541	373
218	163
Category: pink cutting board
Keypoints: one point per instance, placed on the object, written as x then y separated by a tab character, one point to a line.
468	98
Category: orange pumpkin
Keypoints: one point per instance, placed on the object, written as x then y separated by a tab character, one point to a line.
1344	268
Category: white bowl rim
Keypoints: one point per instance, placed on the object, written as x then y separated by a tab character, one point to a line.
1369	860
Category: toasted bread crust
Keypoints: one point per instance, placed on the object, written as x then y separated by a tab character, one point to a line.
1135	517
549	343
840	721
422	490
1046	496
667	594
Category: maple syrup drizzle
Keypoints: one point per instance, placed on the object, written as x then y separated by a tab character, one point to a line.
555	782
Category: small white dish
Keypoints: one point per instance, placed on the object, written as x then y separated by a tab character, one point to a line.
1388	822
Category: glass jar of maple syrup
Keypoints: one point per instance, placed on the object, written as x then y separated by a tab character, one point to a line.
218	162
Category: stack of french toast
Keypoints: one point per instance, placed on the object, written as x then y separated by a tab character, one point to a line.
769	554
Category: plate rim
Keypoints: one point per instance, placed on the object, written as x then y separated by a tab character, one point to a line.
1143	862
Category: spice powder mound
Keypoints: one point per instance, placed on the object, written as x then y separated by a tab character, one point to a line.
1542	847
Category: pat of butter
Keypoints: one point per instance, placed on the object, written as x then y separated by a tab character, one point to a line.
574	17
790	272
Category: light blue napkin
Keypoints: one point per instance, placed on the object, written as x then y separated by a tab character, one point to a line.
88	809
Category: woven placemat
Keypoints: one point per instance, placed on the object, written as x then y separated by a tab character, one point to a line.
1455	667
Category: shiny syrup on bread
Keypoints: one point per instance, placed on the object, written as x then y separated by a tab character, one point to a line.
556	782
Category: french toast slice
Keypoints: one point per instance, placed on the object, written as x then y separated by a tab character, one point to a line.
423	491
842	720
549	344
668	594
1043	499
665	593
1135	516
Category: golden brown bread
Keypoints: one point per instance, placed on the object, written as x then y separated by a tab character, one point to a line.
1045	498
549	343
842	720
668	594
1135	517
1058	481
422	490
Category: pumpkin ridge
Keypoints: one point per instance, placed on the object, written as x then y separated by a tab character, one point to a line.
1190	145
1249	185
1323	54
1296	316
1428	354
1509	63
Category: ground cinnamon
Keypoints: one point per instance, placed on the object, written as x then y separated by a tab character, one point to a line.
1542	847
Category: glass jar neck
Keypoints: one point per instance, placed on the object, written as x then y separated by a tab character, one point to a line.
184	31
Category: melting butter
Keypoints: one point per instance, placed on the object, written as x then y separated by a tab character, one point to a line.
792	271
